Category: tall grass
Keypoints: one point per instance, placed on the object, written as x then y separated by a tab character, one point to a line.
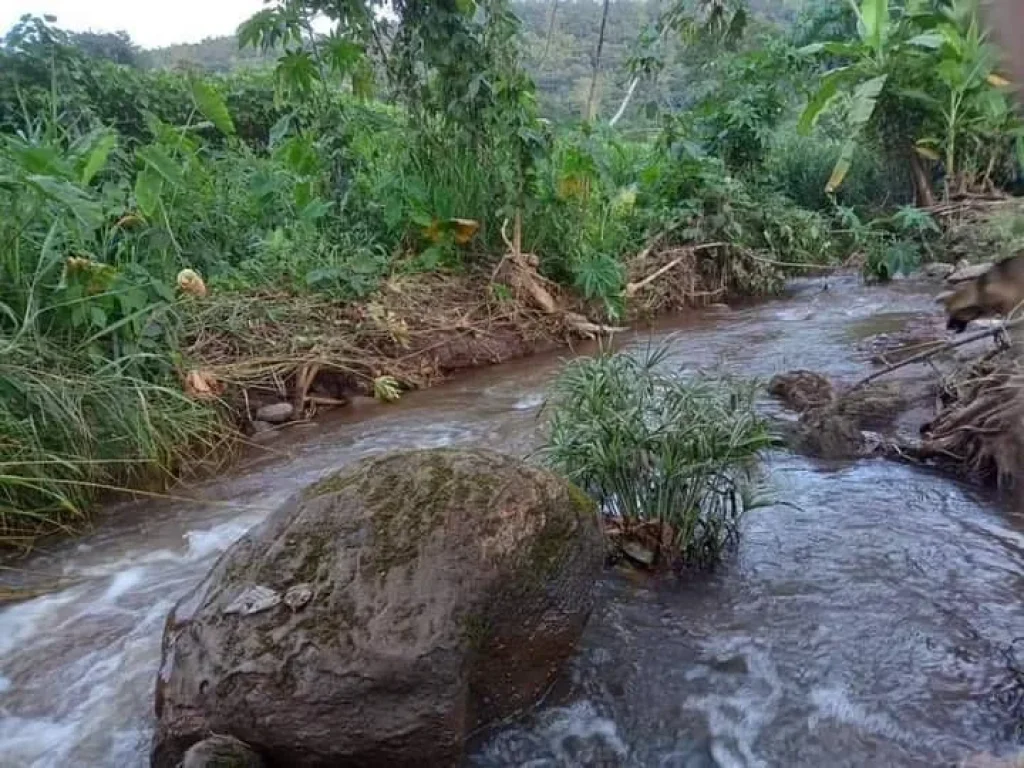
656	447
71	430
89	400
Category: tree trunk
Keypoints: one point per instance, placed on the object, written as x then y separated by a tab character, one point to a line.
551	32
591	105
923	196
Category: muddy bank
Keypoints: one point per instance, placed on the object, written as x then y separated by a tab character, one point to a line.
275	359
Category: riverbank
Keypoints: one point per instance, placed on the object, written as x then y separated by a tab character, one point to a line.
253	364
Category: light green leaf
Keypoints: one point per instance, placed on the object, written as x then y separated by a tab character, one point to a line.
154	157
865	97
827	91
930	40
875	16
842	166
279	130
98	156
75	200
211	105
147	191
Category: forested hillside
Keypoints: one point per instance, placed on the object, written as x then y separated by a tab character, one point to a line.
559	40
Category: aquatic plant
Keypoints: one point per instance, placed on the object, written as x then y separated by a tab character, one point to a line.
672	458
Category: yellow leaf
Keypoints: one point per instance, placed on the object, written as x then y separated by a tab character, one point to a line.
190	282
465	229
433	232
202	385
997	81
927	152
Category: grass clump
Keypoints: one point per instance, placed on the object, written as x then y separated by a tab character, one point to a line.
672	460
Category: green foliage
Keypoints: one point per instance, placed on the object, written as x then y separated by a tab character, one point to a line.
919	81
652	446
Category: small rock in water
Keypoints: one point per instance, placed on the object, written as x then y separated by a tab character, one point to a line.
638	552
259	427
275	413
253	600
221	752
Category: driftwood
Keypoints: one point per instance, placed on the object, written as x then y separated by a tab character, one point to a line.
945	347
633	288
525	278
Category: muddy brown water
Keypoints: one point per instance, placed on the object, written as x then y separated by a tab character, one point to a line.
861	624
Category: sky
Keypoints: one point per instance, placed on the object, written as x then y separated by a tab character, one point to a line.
151	23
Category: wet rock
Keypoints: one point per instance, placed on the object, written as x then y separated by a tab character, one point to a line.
259	427
253	599
826	434
968	272
426	593
638	553
801	389
937	269
275	413
874	406
221	752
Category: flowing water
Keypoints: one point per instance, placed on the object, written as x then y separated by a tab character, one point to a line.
860	624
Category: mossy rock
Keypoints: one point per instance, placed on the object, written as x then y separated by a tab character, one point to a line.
383	613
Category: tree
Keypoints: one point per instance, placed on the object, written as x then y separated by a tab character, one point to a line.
112	46
710	21
591	111
910	73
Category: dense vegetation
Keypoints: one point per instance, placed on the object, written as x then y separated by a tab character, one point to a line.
333	164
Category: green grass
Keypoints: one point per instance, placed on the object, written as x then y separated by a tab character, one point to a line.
654	446
71	430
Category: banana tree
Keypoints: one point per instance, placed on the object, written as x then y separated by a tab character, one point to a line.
883	64
977	125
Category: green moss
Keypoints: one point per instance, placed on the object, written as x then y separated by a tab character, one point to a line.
333	483
584	506
407	505
476	629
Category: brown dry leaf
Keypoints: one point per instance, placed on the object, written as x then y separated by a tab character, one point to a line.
191	283
202	385
465	229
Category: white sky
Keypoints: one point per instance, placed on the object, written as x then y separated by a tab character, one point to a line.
151	23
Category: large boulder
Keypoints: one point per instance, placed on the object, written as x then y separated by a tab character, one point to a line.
383	614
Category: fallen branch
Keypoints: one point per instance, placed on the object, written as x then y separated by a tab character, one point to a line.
795	264
927	354
632	288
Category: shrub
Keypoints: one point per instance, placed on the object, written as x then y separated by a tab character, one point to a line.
656	448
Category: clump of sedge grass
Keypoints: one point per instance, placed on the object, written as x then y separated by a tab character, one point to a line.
71	431
672	460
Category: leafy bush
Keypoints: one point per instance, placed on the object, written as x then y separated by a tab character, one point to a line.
655	447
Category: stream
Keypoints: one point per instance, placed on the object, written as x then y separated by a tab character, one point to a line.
862	623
